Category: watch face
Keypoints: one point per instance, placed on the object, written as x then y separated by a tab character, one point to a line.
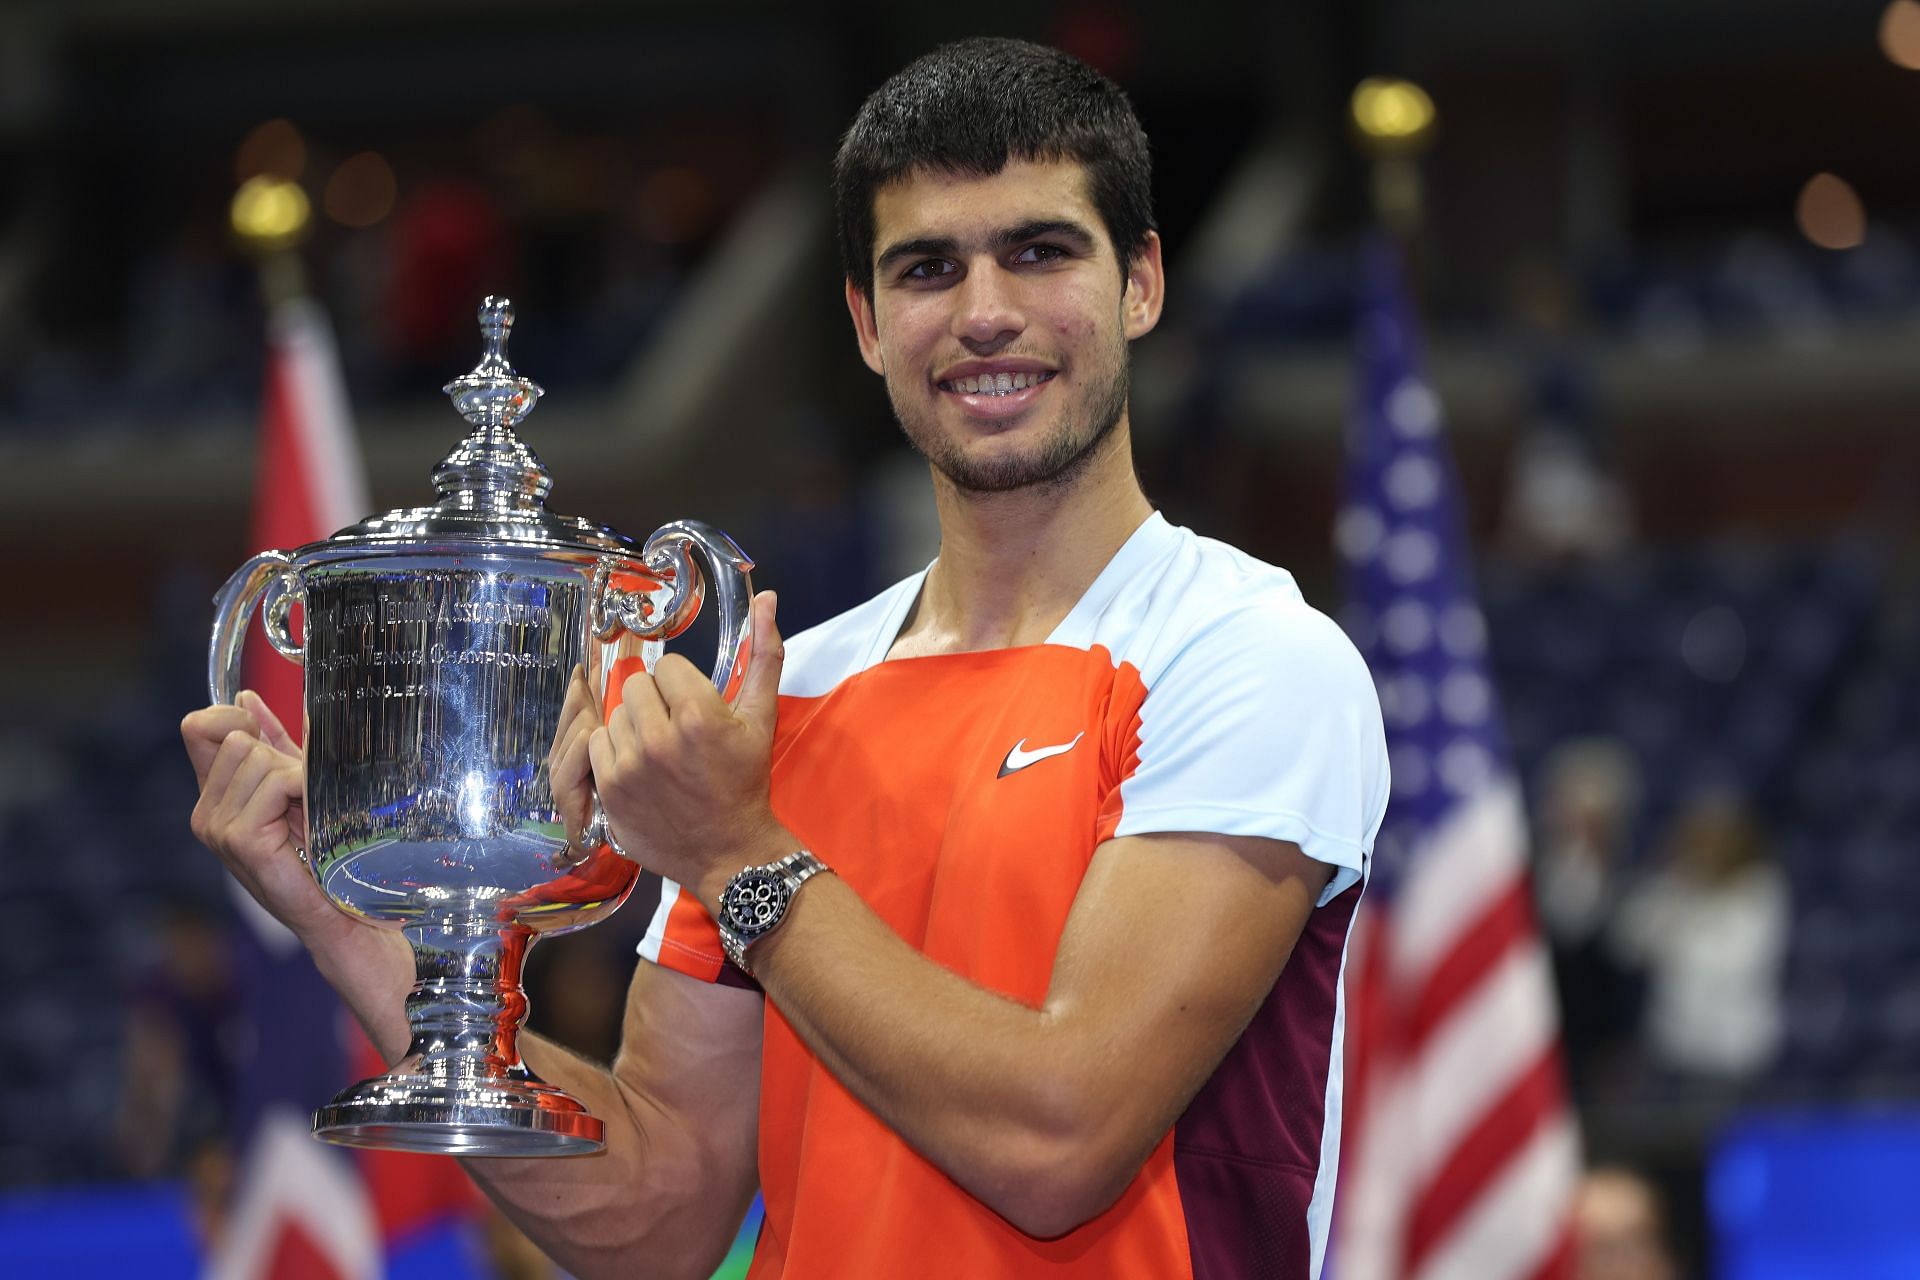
754	902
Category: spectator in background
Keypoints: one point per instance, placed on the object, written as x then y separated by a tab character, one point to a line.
181	1032
1710	931
1563	499
1588	805
450	245
1619	1229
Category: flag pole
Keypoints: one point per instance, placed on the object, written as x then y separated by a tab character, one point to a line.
1393	125
1459	1150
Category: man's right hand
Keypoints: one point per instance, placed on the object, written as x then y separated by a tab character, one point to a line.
251	812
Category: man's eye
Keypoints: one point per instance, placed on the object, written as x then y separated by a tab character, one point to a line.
1040	253
928	269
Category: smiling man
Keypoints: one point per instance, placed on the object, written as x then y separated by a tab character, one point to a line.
1005	914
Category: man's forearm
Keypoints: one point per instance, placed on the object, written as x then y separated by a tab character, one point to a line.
990	1090
370	969
613	1213
670	1189
1046	1113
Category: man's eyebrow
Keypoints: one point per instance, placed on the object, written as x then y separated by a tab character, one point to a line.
925	247
1041	229
1005	238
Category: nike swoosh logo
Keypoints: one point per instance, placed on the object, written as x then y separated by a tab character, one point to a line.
1019	758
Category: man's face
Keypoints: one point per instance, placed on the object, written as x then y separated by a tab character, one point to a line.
1000	321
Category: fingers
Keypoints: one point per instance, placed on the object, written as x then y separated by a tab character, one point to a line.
577	714
571	773
205	730
567	763
601	755
646	696
271	729
277	799
759	703
244	802
682	687
233	751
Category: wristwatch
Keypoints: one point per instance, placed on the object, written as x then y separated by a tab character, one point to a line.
755	901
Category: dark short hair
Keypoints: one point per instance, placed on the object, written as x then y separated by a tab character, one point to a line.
968	108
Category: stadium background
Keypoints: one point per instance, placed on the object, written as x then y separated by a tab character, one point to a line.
1665	260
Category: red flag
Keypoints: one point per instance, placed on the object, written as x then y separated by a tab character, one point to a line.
309	480
309	483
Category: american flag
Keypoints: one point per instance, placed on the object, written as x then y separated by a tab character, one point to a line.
1460	1153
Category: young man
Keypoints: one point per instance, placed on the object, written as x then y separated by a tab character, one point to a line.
1085	806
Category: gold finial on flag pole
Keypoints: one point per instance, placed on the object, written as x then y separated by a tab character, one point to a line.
1394	122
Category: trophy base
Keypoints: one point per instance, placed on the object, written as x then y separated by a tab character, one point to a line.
512	1116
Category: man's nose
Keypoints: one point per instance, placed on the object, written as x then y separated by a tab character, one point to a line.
987	310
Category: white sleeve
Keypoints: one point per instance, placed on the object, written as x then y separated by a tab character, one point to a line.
1264	723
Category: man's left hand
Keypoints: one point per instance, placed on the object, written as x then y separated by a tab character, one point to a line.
684	777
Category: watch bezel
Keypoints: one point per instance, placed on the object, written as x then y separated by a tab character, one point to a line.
747	881
786	876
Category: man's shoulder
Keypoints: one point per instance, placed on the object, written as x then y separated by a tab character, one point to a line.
1200	597
823	655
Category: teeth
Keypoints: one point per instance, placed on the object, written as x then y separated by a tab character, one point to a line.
998	384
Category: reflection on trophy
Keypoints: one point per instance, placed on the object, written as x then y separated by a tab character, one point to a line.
438	644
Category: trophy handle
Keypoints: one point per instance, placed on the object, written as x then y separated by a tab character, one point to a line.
270	575
667	559
666	556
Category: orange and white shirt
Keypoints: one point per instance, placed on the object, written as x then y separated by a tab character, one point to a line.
963	796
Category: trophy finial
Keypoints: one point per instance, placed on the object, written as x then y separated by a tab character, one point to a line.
496	322
492	395
491	465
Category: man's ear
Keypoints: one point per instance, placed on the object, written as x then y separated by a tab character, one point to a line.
865	330
1146	289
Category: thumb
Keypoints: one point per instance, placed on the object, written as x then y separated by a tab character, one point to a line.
760	692
270	727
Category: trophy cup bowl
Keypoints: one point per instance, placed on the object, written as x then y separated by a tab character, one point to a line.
438	645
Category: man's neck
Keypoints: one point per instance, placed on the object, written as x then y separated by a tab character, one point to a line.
1012	565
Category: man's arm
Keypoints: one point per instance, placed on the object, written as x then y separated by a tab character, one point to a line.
1046	1114
680	1102
681	1106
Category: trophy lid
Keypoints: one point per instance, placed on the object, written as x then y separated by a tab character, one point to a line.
493	488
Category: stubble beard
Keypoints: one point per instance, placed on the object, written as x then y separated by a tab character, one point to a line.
1054	463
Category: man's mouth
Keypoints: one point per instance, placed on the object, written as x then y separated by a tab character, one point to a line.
995	384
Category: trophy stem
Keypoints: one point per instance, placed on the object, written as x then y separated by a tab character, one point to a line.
461	1089
467	1005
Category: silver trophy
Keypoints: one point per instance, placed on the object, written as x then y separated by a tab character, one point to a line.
438	645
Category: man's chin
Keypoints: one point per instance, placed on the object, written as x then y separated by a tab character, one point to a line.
1008	470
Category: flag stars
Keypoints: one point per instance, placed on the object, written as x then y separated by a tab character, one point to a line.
1406	627
1405	701
1358	533
1465	767
1412	482
1413	411
1411	556
1466	698
1463	632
